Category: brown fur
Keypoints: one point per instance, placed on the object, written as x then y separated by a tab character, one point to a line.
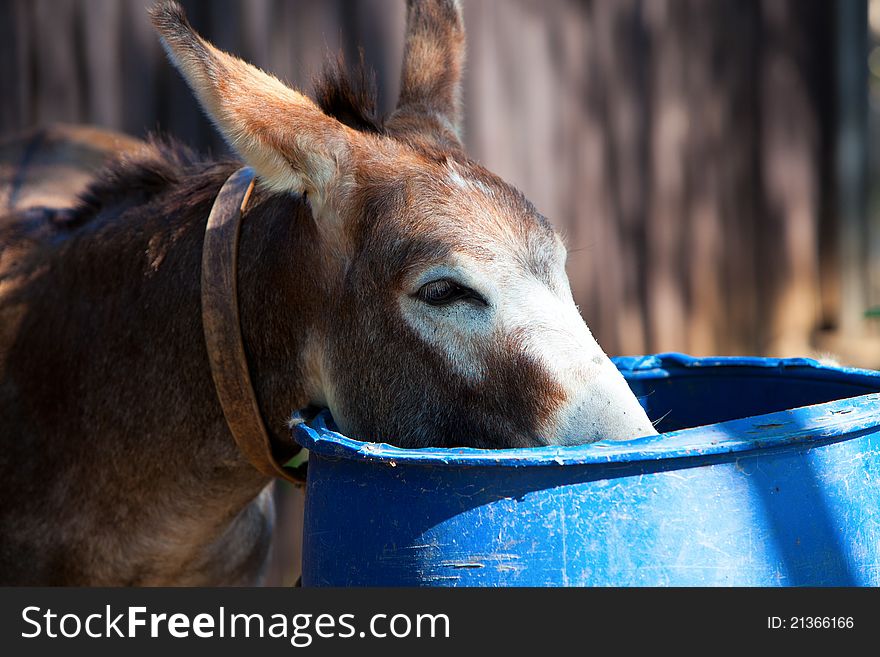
116	465
350	98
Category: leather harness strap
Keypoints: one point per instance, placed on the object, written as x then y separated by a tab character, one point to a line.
222	327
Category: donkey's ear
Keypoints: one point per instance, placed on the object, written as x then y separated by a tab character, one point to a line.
282	134
433	59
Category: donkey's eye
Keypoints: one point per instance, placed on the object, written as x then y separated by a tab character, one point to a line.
444	291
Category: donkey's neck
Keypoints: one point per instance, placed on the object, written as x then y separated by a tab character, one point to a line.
282	274
279	280
156	455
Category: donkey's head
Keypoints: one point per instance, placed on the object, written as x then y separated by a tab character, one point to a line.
450	320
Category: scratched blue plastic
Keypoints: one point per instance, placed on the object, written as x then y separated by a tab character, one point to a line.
776	482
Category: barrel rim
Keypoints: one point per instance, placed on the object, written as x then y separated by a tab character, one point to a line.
805	426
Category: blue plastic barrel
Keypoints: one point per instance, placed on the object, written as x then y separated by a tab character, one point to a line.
767	473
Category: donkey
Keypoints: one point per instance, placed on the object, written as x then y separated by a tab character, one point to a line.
382	274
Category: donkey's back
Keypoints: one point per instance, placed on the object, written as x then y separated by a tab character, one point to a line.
50	166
